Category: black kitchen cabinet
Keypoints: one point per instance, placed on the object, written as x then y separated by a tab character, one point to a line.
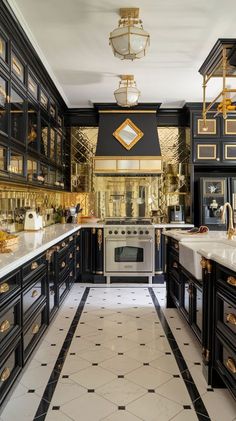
91	255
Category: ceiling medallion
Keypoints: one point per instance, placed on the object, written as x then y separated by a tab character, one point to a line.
128	134
129	41
127	94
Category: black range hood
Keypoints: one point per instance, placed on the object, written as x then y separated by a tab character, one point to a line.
128	142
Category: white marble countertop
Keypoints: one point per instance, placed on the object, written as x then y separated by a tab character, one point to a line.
173	225
187	237
222	252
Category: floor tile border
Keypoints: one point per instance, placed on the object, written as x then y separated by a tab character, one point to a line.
55	374
199	407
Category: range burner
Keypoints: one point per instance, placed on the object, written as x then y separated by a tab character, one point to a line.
128	221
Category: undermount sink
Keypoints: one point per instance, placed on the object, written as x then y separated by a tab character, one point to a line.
190	259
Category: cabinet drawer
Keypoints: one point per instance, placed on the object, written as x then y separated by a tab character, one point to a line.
33	332
226	315
63	289
34	267
52	296
10	322
10	366
226	279
33	296
226	363
9	285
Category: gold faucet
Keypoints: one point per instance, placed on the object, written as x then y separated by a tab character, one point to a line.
231	230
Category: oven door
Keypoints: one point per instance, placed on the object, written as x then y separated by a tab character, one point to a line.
131	255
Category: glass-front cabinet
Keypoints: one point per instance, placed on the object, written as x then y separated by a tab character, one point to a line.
3	159
32	169
3	105
44	138
16	163
52	144
18	116
32	134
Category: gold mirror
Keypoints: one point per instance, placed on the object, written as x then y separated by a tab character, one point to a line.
128	134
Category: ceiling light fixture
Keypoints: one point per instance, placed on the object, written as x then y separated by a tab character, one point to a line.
127	94
129	41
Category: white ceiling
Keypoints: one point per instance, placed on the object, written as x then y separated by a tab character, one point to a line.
71	38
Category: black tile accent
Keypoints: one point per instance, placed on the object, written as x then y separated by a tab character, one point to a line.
31	390
61	330
120	376
139	328
187	407
176	376
121	408
120	353
72	353
168	353
185	373
94	364
44	364
53	344
151	390
65	376
43	407
209	389
55	408
91	390
119	336
186	344
197	363
97	344
145	363
137	317
142	344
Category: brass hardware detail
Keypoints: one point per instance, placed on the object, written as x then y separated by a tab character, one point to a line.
231	230
231	365
34	293
208	266
231	281
63	244
134	128
78	234
63	264
231	318
71	238
4	326
71	273
176	246
70	255
175	265
35	329
34	265
99	239
203	263
94	231
77	265
77	248
158	238
5	374
4	287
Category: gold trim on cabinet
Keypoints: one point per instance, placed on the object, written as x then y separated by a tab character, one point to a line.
138	132
231	318
1	47
113	167
206	146
34	293
5	374
158	238
203	132
34	266
226	152
35	329
203	262
17	66
126	112
231	365
226	125
231	281
4	326
99	239
4	287
63	264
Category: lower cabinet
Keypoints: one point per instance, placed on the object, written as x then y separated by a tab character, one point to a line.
10	366
33	330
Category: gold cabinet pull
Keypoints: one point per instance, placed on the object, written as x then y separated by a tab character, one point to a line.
63	264
78	234
175	265
4	287
63	244
71	273
34	293
34	265
203	263
71	238
77	248
231	318
70	255
230	363
77	265
231	281
35	329
5	374
4	326
176	246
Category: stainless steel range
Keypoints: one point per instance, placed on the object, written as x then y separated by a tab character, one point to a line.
129	248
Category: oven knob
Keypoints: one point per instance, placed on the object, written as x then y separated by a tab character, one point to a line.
123	232
146	232
135	232
141	232
128	232
110	232
115	232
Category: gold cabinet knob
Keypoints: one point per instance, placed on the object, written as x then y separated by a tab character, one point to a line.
176	246
63	264
231	281
77	248
5	374
34	265
63	244
175	265
70	255
71	238
230	363
4	287
77	265
4	326
35	329
34	293
203	263
231	318
78	234
71	273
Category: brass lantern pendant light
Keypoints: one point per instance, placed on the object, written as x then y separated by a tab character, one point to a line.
127	95
129	41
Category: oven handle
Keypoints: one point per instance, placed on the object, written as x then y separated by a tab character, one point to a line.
150	240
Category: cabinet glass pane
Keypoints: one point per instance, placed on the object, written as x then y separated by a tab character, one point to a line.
53	111
32	135
3	158
17	67
3	49
3	105
31	169
33	87
43	100
44	138
206	151
208	127
52	144
17	117
16	163
230	152
52	177
59	148
43	174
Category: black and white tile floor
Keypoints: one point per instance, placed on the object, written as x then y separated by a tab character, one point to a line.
117	354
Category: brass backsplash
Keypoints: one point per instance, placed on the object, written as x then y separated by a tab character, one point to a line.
122	196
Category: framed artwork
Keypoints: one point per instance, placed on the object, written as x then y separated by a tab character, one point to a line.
213	187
